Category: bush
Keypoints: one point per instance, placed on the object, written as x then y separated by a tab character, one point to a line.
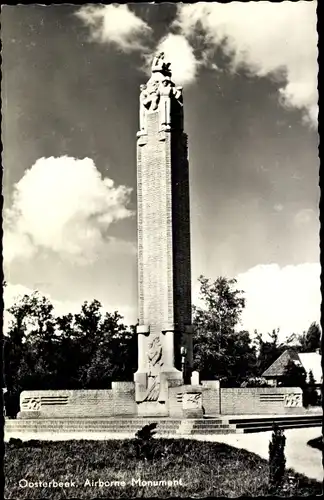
255	382
310	395
144	441
277	461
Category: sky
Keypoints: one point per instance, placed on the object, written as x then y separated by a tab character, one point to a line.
70	102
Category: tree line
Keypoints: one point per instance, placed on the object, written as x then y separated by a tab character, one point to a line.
92	348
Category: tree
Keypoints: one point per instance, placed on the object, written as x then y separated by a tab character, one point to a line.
310	393
294	375
311	340
255	382
80	351
277	460
30	344
269	351
219	350
18	353
114	356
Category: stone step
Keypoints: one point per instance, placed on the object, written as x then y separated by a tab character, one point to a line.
113	428
210	422
260	423
213	431
278	420
85	422
97	424
282	425
97	419
203	426
85	428
285	426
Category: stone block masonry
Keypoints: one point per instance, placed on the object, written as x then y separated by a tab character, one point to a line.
205	399
261	400
118	401
163	223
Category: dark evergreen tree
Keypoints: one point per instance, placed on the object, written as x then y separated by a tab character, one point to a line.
310	394
294	375
277	460
310	341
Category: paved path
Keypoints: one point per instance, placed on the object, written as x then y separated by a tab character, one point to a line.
299	456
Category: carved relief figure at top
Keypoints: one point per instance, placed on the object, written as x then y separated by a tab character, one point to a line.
159	64
157	94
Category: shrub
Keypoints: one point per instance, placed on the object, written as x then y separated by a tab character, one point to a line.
144	442
255	382
310	394
277	461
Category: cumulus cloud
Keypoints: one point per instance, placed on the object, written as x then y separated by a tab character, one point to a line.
115	24
287	297
180	54
64	205
267	38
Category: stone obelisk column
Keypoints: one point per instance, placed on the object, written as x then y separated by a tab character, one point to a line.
164	279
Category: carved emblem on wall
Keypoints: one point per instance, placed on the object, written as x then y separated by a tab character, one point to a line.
31	404
192	401
293	400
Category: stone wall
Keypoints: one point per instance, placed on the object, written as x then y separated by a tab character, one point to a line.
124	398
175	401
260	400
61	403
119	401
211	397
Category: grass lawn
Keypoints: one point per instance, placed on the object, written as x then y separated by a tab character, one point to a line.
195	468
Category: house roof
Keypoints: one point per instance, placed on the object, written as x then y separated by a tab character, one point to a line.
308	360
277	369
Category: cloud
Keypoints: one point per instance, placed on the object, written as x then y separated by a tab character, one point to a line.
278	207
288	298
115	24
305	216
266	37
64	205
180	54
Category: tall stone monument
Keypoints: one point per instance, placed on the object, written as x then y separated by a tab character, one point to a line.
164	384
164	277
